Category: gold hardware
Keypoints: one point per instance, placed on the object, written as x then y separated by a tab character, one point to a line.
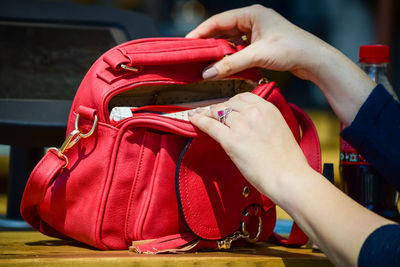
246	191
91	130
246	233
227	242
129	68
73	138
232	44
65	157
263	80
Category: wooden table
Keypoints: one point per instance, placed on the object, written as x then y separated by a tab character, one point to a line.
31	248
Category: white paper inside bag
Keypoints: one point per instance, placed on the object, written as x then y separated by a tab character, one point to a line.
120	113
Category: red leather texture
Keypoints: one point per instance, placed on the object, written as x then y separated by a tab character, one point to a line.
150	176
45	172
168	51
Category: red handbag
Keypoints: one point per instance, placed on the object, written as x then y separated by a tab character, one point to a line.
151	180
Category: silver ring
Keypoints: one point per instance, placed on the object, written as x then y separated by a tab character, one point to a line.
223	114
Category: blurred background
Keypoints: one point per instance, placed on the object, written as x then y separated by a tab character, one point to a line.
46	47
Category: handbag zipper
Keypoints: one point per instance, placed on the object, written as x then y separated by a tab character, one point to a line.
128	87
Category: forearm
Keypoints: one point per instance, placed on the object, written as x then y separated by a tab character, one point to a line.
337	224
344	84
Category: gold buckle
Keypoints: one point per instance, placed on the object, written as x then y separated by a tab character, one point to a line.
73	137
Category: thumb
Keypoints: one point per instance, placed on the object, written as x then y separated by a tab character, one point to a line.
231	64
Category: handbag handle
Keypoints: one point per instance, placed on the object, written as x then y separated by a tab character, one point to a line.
48	168
163	51
39	181
309	142
310	146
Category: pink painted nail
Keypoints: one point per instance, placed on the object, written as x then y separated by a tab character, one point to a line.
210	73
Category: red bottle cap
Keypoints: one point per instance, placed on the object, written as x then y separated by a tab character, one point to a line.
374	54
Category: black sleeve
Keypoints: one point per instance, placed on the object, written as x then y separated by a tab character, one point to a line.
382	247
375	133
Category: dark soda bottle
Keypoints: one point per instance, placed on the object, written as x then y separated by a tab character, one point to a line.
359	179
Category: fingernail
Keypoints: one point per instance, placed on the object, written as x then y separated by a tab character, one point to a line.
210	73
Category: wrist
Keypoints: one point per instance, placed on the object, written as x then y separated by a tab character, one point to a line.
324	64
312	59
287	184
344	84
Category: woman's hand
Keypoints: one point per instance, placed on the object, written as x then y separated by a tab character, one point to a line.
275	43
257	139
260	143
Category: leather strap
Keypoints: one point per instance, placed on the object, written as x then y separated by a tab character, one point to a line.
310	145
85	112
177	243
166	51
39	181
309	142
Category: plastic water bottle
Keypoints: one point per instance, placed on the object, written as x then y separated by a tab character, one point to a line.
360	180
374	60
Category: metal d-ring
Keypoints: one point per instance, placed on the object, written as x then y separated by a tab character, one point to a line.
226	242
246	233
82	135
73	137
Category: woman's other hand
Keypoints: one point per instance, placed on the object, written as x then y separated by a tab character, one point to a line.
257	139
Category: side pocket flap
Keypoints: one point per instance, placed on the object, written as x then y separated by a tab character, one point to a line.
211	191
